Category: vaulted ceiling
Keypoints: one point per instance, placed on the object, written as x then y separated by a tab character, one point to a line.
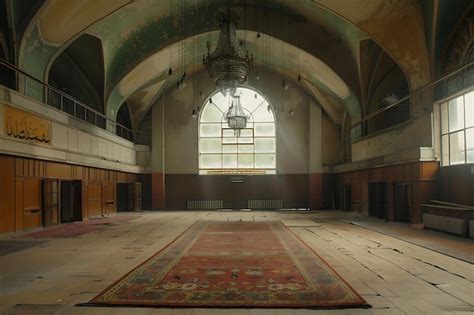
317	39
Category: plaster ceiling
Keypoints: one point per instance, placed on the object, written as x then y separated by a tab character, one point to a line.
138	36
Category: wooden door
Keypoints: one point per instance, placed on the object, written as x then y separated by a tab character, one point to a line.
32	216
77	200
373	211
239	197
50	202
67	209
131	197
382	200
109	198
95	199
347	197
401	203
138	197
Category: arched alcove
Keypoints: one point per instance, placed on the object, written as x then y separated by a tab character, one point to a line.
384	84
124	120
79	72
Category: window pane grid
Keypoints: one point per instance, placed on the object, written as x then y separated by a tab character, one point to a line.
457	130
255	147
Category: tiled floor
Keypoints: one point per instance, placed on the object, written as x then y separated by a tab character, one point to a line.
395	276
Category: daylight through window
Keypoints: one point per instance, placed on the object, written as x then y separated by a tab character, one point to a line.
252	152
457	130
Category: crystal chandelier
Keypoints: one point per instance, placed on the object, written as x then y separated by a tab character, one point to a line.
235	116
228	65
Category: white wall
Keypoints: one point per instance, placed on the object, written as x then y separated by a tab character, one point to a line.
181	131
73	141
411	135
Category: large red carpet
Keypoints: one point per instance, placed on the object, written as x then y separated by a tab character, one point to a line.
233	264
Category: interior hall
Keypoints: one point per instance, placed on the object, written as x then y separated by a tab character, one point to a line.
236	157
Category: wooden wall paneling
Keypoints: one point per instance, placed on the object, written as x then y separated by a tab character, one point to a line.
110	204
25	167
104	204
58	170
389	173
94	199
31	203
408	172
92	176
390	201
85	199
31	168
77	172
7	194
121	177
364	175
131	178
417	171
39	169
19	167
429	170
397	171
19	204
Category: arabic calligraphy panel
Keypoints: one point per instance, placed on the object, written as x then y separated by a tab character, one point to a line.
25	126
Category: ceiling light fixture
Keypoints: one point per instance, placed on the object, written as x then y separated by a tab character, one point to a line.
229	67
235	116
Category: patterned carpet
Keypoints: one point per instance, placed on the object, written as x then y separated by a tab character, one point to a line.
233	264
77	229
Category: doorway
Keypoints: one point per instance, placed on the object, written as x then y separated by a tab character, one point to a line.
129	196
50	188
347	197
71	201
378	200
401	202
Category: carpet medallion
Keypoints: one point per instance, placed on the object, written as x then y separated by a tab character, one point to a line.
233	264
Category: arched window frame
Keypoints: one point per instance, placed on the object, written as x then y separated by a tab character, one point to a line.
263	141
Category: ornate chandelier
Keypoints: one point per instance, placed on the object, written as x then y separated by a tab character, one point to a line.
228	65
235	116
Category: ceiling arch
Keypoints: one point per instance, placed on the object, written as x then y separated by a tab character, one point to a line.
151	75
133	31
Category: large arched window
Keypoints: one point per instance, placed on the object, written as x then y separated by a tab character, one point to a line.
252	152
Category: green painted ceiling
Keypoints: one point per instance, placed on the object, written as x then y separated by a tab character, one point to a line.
318	39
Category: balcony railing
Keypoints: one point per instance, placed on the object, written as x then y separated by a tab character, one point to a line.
43	92
453	82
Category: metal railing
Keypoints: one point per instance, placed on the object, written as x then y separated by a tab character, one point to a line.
461	74
30	86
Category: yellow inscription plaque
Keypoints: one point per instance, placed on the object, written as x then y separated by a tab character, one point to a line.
25	126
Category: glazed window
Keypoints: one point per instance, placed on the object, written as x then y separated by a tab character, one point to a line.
457	130
223	151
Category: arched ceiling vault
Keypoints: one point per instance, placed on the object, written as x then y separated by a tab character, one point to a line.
150	76
135	31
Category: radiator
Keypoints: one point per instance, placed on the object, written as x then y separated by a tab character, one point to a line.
265	204
446	224
205	204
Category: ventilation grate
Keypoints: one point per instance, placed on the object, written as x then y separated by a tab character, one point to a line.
265	204
205	204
